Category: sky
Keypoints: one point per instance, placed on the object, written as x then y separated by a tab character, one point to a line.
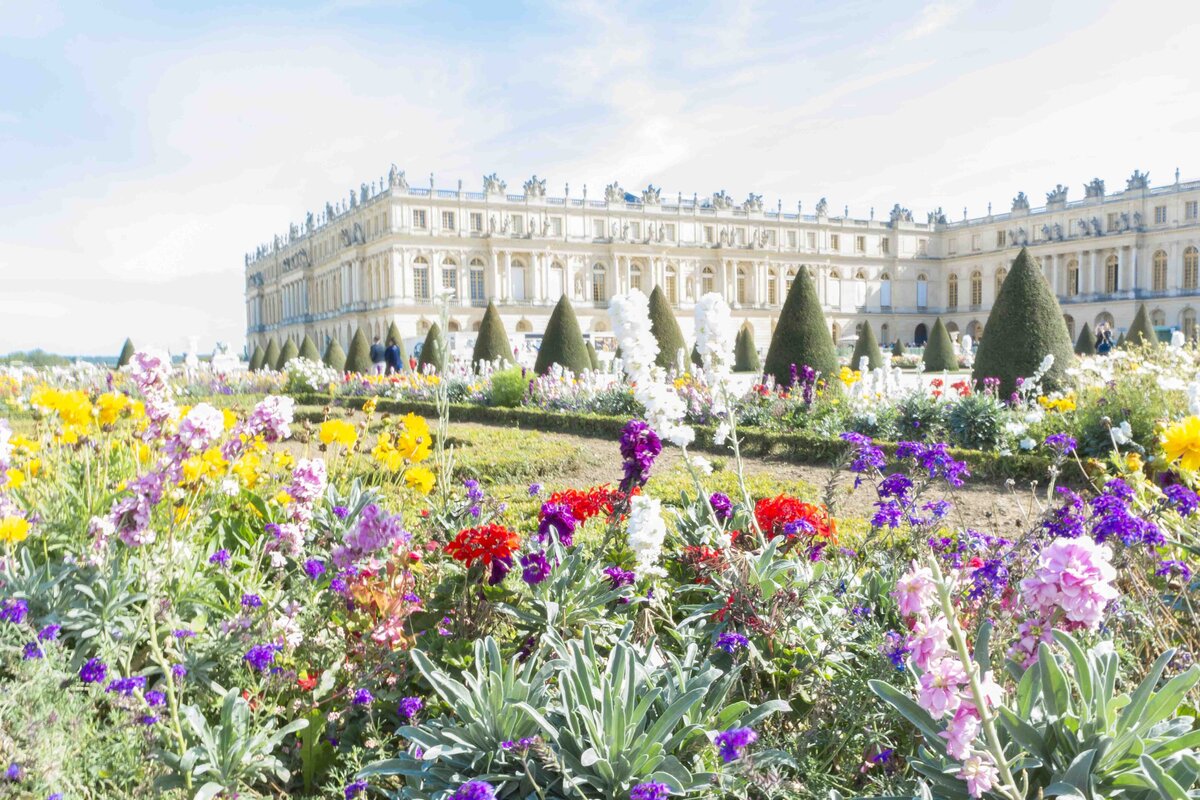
144	148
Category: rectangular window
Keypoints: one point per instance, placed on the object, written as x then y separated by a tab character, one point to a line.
476	222
419	220
669	231
885	245
635	230
922	246
835	242
709	234
518	225
598	228
1112	221
952	246
740	235
812	240
447	220
476	285
450	280
860	244
1001	239
975	242
421	282
770	238
556	226
1160	215
1190	209
792	240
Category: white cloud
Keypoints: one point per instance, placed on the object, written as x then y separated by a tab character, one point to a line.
934	16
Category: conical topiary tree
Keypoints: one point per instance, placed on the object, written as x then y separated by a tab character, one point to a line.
272	355
1085	345
1141	330
898	348
394	334
256	358
939	350
1025	325
562	343
127	352
745	354
695	357
288	352
666	330
593	357
1120	340
801	336
308	349
492	342
335	356
433	351
868	346
359	358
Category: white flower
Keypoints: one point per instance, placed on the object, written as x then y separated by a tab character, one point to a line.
229	487
202	425
630	314
1122	434
1028	444
701	465
722	433
647	531
716	333
1046	364
1014	428
1178	339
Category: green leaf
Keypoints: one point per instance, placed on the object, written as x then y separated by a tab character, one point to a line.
982	654
1166	786
907	708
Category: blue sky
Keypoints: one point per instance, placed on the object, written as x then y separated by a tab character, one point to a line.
145	147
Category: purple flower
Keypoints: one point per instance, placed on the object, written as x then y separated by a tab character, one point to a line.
126	686
620	577
474	790
731	642
640	445
557	517
32	651
1061	443
219	558
260	656
935	459
867	457
895	647
374	530
148	719
354	789
989	579
500	568
535	568
1067	520
183	633
14	610
409	706
732	742
1111	516
1168	567
650	791
1186	501
154	699
93	671
895	485
178	671
524	743
887	515
474	493
251	601
341	512
49	633
15	772
363	697
722	506
338	585
535	489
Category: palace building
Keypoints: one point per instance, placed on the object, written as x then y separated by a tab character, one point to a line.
392	250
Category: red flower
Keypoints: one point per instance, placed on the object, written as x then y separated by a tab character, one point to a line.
587	503
963	387
703	559
307	681
787	516
484	544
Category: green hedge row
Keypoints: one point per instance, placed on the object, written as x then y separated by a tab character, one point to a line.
798	448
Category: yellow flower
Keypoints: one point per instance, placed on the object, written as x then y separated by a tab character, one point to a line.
15	479
1181	442
246	468
230	418
849	376
24	445
340	431
419	478
284	460
13	529
282	497
414	441
34	467
109	407
193	470
1133	462
386	454
369	406
181	514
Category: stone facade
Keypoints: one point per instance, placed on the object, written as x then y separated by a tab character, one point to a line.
387	252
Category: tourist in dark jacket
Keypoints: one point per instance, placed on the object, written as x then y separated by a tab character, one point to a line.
392	357
377	356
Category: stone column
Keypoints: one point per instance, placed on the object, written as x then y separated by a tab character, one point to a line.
1094	285
1174	269
506	278
1055	266
493	278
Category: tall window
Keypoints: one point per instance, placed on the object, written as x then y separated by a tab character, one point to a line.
772	287
952	292
1112	274
557	281
478	291
1191	268
598	229
518	225
835	242
1188	323
1190	209
1160	271
885	290
709	234
672	288
860	244
447	220
1001	239
635	277
598	289
789	279
708	281
976	288
1158	318
1001	274
1160	215
742	281
419	218
1072	277
476	222
922	291
885	245
421	278
450	277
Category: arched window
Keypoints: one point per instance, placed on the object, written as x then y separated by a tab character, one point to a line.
833	289
635	276
742	281
599	291
420	278
922	291
517	279
860	289
422	326
920	334
450	276
453	326
885	290
1105	320
884	333
1112	274
672	287
1000	276
1191	268
476	325
1187	321
952	292
708	280
976	288
975	330
788	280
478	288
1160	271
1072	277
524	326
1158	318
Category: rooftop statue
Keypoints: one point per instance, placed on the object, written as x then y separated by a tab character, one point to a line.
753	203
937	217
1094	189
900	214
1020	202
650	195
822	207
1058	195
1138	180
535	188
613	193
493	185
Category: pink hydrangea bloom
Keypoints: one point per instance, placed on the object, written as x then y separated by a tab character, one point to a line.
940	687
980	774
1073	576
915	590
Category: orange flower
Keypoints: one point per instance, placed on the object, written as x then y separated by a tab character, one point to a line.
787	516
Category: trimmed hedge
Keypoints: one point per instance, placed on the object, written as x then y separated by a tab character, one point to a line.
939	350
745	354
335	356
1141	330
288	352
127	352
798	448
492	342
256	358
593	357
898	349
359	358
308	349
1085	345
433	351
562	343
867	346
666	331
272	354
801	336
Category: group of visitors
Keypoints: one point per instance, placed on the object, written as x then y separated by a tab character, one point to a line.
386	360
1104	339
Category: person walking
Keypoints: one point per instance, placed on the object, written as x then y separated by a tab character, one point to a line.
392	357
377	357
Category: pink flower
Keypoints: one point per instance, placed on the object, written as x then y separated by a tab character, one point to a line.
1031	633
202	425
914	590
961	732
939	694
930	641
980	774
1073	576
